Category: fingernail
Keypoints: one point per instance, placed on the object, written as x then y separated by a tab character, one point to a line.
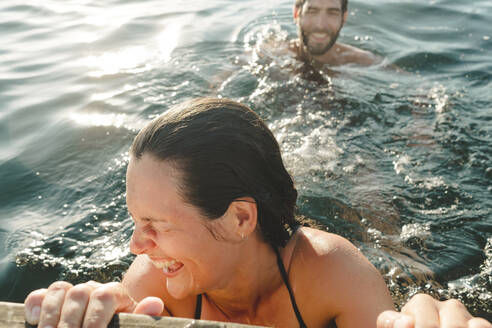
33	315
402	322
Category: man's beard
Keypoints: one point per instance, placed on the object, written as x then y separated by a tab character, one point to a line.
318	51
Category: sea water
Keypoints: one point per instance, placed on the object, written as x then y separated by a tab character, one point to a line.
397	160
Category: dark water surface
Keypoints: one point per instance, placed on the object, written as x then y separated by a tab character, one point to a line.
399	163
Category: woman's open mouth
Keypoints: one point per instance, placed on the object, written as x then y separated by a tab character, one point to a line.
168	267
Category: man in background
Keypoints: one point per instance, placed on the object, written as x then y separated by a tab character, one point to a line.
319	23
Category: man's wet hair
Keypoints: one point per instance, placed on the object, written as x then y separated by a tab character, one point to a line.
223	151
300	3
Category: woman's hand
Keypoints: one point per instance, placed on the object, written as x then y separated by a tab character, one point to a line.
90	304
423	311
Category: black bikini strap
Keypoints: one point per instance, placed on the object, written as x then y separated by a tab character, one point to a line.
285	278
291	294
198	307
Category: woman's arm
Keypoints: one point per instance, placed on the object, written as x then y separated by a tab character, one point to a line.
90	303
94	304
144	280
339	283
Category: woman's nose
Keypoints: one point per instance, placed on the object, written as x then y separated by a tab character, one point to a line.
139	243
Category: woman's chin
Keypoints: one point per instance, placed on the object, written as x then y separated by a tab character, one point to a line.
179	288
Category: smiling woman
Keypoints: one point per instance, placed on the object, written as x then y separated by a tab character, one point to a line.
217	239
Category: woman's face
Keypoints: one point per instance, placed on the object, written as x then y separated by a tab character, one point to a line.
172	233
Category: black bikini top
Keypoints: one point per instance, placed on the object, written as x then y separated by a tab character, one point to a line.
285	278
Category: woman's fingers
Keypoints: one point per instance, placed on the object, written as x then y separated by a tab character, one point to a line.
85	305
74	307
150	306
453	313
104	302
427	312
53	303
392	319
424	310
479	323
32	305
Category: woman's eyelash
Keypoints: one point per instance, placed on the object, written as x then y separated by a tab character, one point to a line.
148	228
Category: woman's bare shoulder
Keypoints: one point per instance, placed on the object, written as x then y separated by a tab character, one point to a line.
321	252
317	243
340	274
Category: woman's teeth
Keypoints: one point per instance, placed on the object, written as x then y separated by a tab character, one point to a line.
167	265
164	265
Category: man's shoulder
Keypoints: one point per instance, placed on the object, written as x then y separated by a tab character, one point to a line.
352	55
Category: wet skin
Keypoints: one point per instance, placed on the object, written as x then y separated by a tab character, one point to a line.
182	254
319	23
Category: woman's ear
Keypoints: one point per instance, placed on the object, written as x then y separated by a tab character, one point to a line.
295	13
243	214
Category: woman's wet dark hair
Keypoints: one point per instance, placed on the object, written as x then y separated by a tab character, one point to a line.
224	151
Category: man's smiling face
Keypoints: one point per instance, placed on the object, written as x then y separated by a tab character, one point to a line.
319	23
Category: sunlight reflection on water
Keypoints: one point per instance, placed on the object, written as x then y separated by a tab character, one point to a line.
397	163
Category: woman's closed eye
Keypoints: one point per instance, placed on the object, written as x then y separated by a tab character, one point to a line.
154	227
148	228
